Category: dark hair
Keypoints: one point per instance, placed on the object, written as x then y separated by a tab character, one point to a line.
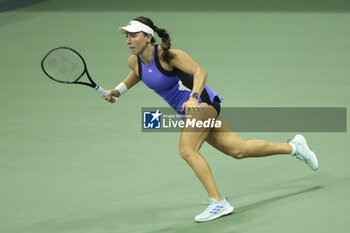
162	33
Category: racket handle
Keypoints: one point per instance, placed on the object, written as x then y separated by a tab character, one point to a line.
104	92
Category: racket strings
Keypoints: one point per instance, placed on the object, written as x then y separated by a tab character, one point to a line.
64	65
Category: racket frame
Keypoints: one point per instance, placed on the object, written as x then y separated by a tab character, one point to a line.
76	81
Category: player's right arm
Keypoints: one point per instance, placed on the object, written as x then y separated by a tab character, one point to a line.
131	79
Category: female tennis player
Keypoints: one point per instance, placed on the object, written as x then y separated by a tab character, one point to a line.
181	82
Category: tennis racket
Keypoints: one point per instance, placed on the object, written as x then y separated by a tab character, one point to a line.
66	65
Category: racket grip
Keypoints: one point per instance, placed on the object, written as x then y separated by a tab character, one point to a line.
104	92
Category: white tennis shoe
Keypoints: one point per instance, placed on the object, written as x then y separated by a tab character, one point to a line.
302	151
214	210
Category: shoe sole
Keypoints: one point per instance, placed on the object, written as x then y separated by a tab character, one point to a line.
312	153
226	212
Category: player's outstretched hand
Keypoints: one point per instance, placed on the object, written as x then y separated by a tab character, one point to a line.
111	93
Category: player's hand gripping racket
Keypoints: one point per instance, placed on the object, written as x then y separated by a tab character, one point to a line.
65	65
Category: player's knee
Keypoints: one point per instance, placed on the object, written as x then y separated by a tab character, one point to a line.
186	153
239	153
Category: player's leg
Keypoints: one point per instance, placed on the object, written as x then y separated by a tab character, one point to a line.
229	142
191	139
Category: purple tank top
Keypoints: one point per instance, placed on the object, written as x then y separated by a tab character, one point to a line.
173	86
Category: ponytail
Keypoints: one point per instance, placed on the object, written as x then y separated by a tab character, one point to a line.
166	43
163	34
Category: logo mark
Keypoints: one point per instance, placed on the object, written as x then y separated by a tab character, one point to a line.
151	120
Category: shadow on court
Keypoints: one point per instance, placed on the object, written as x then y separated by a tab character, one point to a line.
229	223
107	218
259	204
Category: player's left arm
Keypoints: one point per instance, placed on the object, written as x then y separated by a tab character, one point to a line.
185	63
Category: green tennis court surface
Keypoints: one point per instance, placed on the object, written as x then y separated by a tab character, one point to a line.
70	162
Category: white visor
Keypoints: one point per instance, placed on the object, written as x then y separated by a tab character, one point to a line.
136	26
